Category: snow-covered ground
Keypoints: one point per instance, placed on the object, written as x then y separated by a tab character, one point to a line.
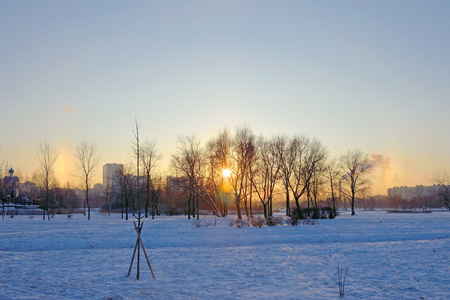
389	256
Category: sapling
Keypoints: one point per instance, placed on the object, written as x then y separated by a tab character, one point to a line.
341	280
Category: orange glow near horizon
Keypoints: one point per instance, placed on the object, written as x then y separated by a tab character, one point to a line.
64	168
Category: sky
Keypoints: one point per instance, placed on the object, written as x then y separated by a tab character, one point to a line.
368	75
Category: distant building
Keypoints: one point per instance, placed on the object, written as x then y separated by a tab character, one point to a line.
97	190
11	185
409	193
109	170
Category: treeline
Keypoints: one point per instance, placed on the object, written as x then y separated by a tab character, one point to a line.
240	172
233	172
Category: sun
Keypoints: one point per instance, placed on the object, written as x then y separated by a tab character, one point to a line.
226	173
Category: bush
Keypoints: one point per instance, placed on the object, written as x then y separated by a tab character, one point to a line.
294	221
328	213
312	213
239	223
23	212
172	211
308	222
274	221
256	222
206	222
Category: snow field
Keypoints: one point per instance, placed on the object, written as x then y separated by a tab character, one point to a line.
389	256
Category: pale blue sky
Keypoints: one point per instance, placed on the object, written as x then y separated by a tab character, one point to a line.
369	75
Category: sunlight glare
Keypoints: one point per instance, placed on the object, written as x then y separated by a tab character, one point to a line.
226	173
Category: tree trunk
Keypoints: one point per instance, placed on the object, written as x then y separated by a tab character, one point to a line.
198	209
226	204
189	206
148	196
297	202
334	202
88	204
246	207
48	210
353	205
251	209
270	208
193	206
238	209
288	209
153	205
45	203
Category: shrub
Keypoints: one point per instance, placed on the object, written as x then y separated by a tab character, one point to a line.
341	280
209	222
239	223
206	222
172	211
292	222
274	221
296	222
312	213
256	222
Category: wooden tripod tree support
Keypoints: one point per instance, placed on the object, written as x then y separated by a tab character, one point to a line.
137	247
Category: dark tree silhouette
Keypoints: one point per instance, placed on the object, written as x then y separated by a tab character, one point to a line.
46	155
87	161
442	179
149	160
356	168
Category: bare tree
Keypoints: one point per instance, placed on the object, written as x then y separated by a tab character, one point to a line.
218	152
87	161
315	188
137	211
125	182
186	163
157	193
189	162
331	173
267	172
307	156
356	168
442	179
229	160
46	155
286	157
3	192
149	159
136	154
242	157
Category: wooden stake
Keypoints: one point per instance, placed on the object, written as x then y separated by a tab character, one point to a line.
137	247
143	250
132	259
